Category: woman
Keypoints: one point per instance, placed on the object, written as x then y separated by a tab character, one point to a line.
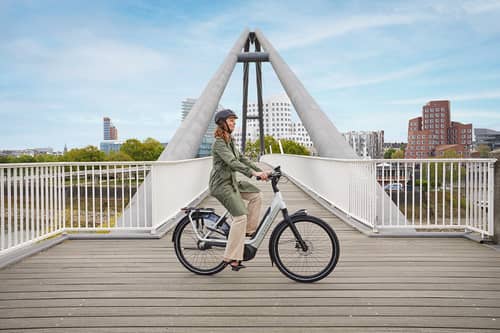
230	192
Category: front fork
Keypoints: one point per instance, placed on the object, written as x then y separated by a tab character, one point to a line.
296	233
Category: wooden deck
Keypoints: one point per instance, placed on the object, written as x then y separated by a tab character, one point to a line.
379	285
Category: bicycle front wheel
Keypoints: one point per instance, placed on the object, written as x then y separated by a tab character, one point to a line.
312	264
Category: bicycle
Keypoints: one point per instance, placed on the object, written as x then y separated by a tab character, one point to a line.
303	247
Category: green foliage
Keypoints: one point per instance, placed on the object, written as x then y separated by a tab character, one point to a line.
131	150
87	154
118	156
450	154
388	153
149	150
484	151
294	148
289	147
398	154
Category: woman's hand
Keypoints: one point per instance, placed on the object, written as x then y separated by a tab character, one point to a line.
262	174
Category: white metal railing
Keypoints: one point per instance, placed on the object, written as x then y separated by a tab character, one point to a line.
434	194
39	200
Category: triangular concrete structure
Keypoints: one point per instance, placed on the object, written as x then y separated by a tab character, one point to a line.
187	138
327	139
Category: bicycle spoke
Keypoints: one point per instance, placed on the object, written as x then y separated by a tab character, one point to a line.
313	262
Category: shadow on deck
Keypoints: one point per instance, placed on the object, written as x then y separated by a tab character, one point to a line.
380	284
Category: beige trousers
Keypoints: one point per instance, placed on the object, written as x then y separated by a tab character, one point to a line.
243	224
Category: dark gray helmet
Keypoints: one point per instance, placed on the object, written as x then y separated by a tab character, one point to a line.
223	115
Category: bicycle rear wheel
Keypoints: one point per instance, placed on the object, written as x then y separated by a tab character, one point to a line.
196	256
314	264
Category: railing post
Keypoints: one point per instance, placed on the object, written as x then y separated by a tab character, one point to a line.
496	196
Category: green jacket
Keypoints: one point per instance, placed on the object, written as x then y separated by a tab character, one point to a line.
223	184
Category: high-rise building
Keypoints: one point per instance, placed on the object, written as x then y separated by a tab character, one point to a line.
109	130
277	116
208	139
110	142
367	144
435	128
488	137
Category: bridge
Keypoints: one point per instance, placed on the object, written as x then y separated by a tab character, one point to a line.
86	247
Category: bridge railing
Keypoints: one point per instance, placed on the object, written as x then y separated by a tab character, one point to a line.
40	200
424	194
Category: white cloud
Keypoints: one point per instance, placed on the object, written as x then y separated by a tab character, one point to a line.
316	30
484	95
481	6
100	60
339	81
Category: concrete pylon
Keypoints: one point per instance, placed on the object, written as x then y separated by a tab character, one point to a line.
327	139
187	138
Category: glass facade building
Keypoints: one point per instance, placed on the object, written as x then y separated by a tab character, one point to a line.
205	148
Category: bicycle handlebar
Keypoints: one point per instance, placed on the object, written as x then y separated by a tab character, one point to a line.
275	174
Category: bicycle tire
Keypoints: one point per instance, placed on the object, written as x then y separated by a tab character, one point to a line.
181	245
290	252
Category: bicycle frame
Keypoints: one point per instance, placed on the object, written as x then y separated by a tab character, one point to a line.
277	205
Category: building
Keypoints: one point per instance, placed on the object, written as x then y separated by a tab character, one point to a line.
367	144
110	136
488	137
435	128
459	149
277	116
29	152
108	146
109	130
208	139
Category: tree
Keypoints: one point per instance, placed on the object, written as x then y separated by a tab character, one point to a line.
133	148
148	150
292	147
87	154
388	153
398	154
289	147
484	151
450	154
252	149
118	156
152	149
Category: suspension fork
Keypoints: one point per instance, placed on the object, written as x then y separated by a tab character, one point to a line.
295	232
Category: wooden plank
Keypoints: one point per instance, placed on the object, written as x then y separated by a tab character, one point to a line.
379	285
254	311
176	320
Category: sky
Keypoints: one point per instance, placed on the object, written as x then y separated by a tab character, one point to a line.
370	65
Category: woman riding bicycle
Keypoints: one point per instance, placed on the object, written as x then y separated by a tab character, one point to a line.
230	192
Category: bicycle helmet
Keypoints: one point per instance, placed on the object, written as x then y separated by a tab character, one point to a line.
222	115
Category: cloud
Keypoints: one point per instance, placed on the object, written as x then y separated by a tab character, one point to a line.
347	81
493	94
481	6
315	32
99	60
477	113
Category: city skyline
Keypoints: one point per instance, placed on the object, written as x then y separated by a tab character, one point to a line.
370	66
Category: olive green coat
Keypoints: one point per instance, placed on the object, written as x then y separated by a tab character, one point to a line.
223	184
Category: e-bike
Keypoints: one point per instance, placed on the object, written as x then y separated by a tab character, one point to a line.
303	247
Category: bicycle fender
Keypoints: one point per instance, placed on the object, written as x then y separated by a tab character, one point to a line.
299	213
272	239
177	227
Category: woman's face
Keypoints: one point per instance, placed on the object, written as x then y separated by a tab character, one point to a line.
231	123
